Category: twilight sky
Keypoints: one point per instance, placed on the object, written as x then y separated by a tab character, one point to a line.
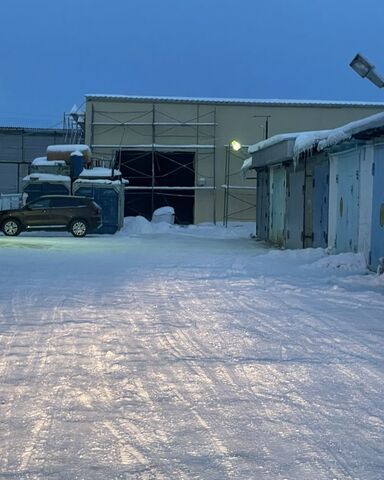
53	52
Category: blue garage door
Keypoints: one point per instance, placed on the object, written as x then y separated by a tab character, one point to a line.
377	232
277	207
347	202
262	204
320	205
295	210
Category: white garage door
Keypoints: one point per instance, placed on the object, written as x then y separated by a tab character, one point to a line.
9	180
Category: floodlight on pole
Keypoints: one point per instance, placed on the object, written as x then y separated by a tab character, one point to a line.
366	69
235	145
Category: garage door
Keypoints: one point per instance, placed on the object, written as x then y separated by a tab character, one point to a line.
9	179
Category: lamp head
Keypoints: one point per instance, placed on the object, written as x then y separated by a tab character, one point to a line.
235	145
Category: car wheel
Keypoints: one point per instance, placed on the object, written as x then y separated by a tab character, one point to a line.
78	228
11	227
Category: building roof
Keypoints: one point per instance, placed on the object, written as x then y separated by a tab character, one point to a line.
291	145
18	129
230	101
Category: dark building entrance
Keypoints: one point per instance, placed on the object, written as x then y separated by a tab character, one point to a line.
163	169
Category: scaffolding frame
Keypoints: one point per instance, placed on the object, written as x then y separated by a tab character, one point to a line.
229	188
197	135
73	126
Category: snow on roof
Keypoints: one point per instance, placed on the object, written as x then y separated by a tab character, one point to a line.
338	135
272	141
42	161
68	148
247	164
241	101
47	177
76	153
322	139
306	141
100	172
103	181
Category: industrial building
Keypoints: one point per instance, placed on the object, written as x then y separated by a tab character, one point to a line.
175	151
18	148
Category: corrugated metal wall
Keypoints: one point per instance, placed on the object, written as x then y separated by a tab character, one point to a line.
18	147
347	204
9	178
277	204
294	233
262	205
377	236
320	205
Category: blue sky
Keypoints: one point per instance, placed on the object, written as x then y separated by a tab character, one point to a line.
53	52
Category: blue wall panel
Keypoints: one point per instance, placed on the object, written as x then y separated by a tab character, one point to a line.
347	228
108	199
277	205
262	204
320	205
377	232
295	210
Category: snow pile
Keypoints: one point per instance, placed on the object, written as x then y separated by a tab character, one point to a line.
141	226
349	262
164	214
209	230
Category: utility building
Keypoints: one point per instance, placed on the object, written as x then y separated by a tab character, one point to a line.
175	151
18	148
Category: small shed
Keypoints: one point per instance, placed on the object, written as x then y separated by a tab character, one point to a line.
105	187
297	197
328	185
356	212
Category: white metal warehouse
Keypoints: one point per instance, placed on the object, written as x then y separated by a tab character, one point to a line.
174	151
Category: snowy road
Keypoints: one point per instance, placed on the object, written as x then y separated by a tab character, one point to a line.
173	357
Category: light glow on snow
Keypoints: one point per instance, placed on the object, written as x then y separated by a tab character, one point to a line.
188	352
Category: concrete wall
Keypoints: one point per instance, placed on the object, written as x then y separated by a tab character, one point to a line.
244	122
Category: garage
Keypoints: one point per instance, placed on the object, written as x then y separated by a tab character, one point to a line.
158	179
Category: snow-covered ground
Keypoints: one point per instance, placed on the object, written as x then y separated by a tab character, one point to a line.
188	353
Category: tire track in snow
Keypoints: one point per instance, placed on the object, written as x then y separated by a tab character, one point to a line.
182	347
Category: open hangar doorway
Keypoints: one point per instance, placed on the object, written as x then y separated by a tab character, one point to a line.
156	179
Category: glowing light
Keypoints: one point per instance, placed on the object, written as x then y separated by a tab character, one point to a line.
235	145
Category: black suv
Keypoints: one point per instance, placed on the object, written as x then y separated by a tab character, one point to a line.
78	215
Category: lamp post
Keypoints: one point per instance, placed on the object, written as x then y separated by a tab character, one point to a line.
234	145
366	69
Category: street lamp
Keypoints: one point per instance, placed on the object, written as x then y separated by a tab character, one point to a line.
235	145
366	69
